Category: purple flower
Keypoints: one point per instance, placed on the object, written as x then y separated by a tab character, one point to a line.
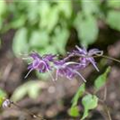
40	63
87	57
49	57
66	69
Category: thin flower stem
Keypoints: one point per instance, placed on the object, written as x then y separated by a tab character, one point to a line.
101	55
106	109
111	58
108	112
107	57
104	104
28	73
105	93
28	112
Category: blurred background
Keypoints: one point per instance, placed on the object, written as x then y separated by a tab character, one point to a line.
56	26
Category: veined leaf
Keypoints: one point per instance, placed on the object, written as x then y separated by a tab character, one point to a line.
89	102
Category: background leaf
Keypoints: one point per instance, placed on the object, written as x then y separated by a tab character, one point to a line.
113	3
32	9
87	29
20	44
60	39
39	39
19	22
3	7
31	88
44	11
3	10
101	80
65	8
53	18
92	8
113	19
3	95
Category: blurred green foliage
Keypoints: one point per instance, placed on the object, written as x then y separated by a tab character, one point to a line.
3	95
86	22
40	25
31	89
44	26
3	9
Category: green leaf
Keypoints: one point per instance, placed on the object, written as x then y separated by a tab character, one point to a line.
91	8
89	102
65	8
113	3
60	39
101	80
39	39
20	44
87	29
53	18
113	19
31	88
48	49
32	11
2	7
19	22
74	111
44	11
79	93
19	93
3	95
34	89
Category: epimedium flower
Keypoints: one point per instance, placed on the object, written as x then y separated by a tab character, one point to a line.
67	69
87	57
64	67
40	63
49	57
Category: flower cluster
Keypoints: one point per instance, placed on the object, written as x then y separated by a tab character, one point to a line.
64	67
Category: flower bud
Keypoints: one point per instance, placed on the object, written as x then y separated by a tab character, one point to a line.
6	103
